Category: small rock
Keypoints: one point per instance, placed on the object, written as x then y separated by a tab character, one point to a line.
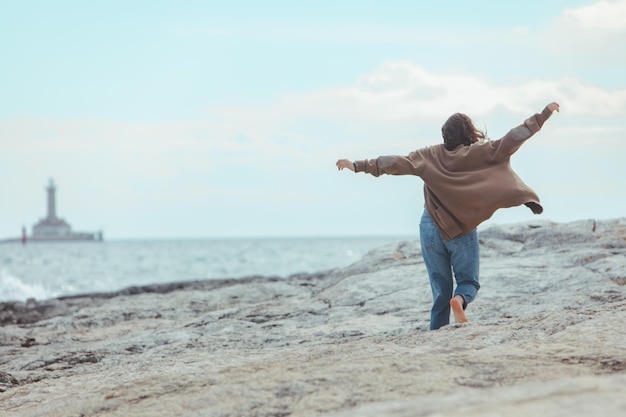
7	381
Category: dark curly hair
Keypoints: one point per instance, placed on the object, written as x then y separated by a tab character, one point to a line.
459	130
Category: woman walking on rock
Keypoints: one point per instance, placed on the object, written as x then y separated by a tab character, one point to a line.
466	179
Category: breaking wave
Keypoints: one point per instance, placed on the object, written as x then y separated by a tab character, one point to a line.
14	289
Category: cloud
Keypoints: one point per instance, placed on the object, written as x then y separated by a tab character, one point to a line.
588	38
599	18
400	102
399	95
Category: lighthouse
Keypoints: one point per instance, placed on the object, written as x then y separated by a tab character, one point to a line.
52	204
53	227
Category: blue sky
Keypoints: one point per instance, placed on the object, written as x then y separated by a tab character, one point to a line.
224	119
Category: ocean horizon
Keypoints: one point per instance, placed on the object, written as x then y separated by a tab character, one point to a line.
44	270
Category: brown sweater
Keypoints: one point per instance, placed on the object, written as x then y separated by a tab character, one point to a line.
465	186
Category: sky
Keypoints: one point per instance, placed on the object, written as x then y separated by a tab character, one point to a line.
211	119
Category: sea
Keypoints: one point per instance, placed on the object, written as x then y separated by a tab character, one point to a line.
44	270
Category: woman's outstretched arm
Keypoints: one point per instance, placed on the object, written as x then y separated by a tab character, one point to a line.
411	164
534	123
513	140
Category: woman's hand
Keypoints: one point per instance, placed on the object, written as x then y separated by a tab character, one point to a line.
553	106
344	163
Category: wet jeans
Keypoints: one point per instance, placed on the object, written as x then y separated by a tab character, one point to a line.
458	256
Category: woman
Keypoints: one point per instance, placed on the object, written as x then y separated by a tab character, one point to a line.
466	179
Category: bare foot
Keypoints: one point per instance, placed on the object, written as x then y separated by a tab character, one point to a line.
457	308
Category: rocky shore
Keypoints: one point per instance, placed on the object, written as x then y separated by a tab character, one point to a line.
546	337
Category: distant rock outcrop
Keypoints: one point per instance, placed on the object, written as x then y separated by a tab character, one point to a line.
546	337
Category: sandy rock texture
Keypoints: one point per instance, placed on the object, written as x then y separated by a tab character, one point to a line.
546	337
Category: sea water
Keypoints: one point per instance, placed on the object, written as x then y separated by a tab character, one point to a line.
52	269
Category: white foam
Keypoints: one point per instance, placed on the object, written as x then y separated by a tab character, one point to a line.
13	289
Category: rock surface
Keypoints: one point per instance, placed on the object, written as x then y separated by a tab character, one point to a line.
546	337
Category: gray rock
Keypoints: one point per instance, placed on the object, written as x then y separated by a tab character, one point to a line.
545	338
7	381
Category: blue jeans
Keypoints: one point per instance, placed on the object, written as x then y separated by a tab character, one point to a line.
460	256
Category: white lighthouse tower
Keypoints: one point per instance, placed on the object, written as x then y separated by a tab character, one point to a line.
53	227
